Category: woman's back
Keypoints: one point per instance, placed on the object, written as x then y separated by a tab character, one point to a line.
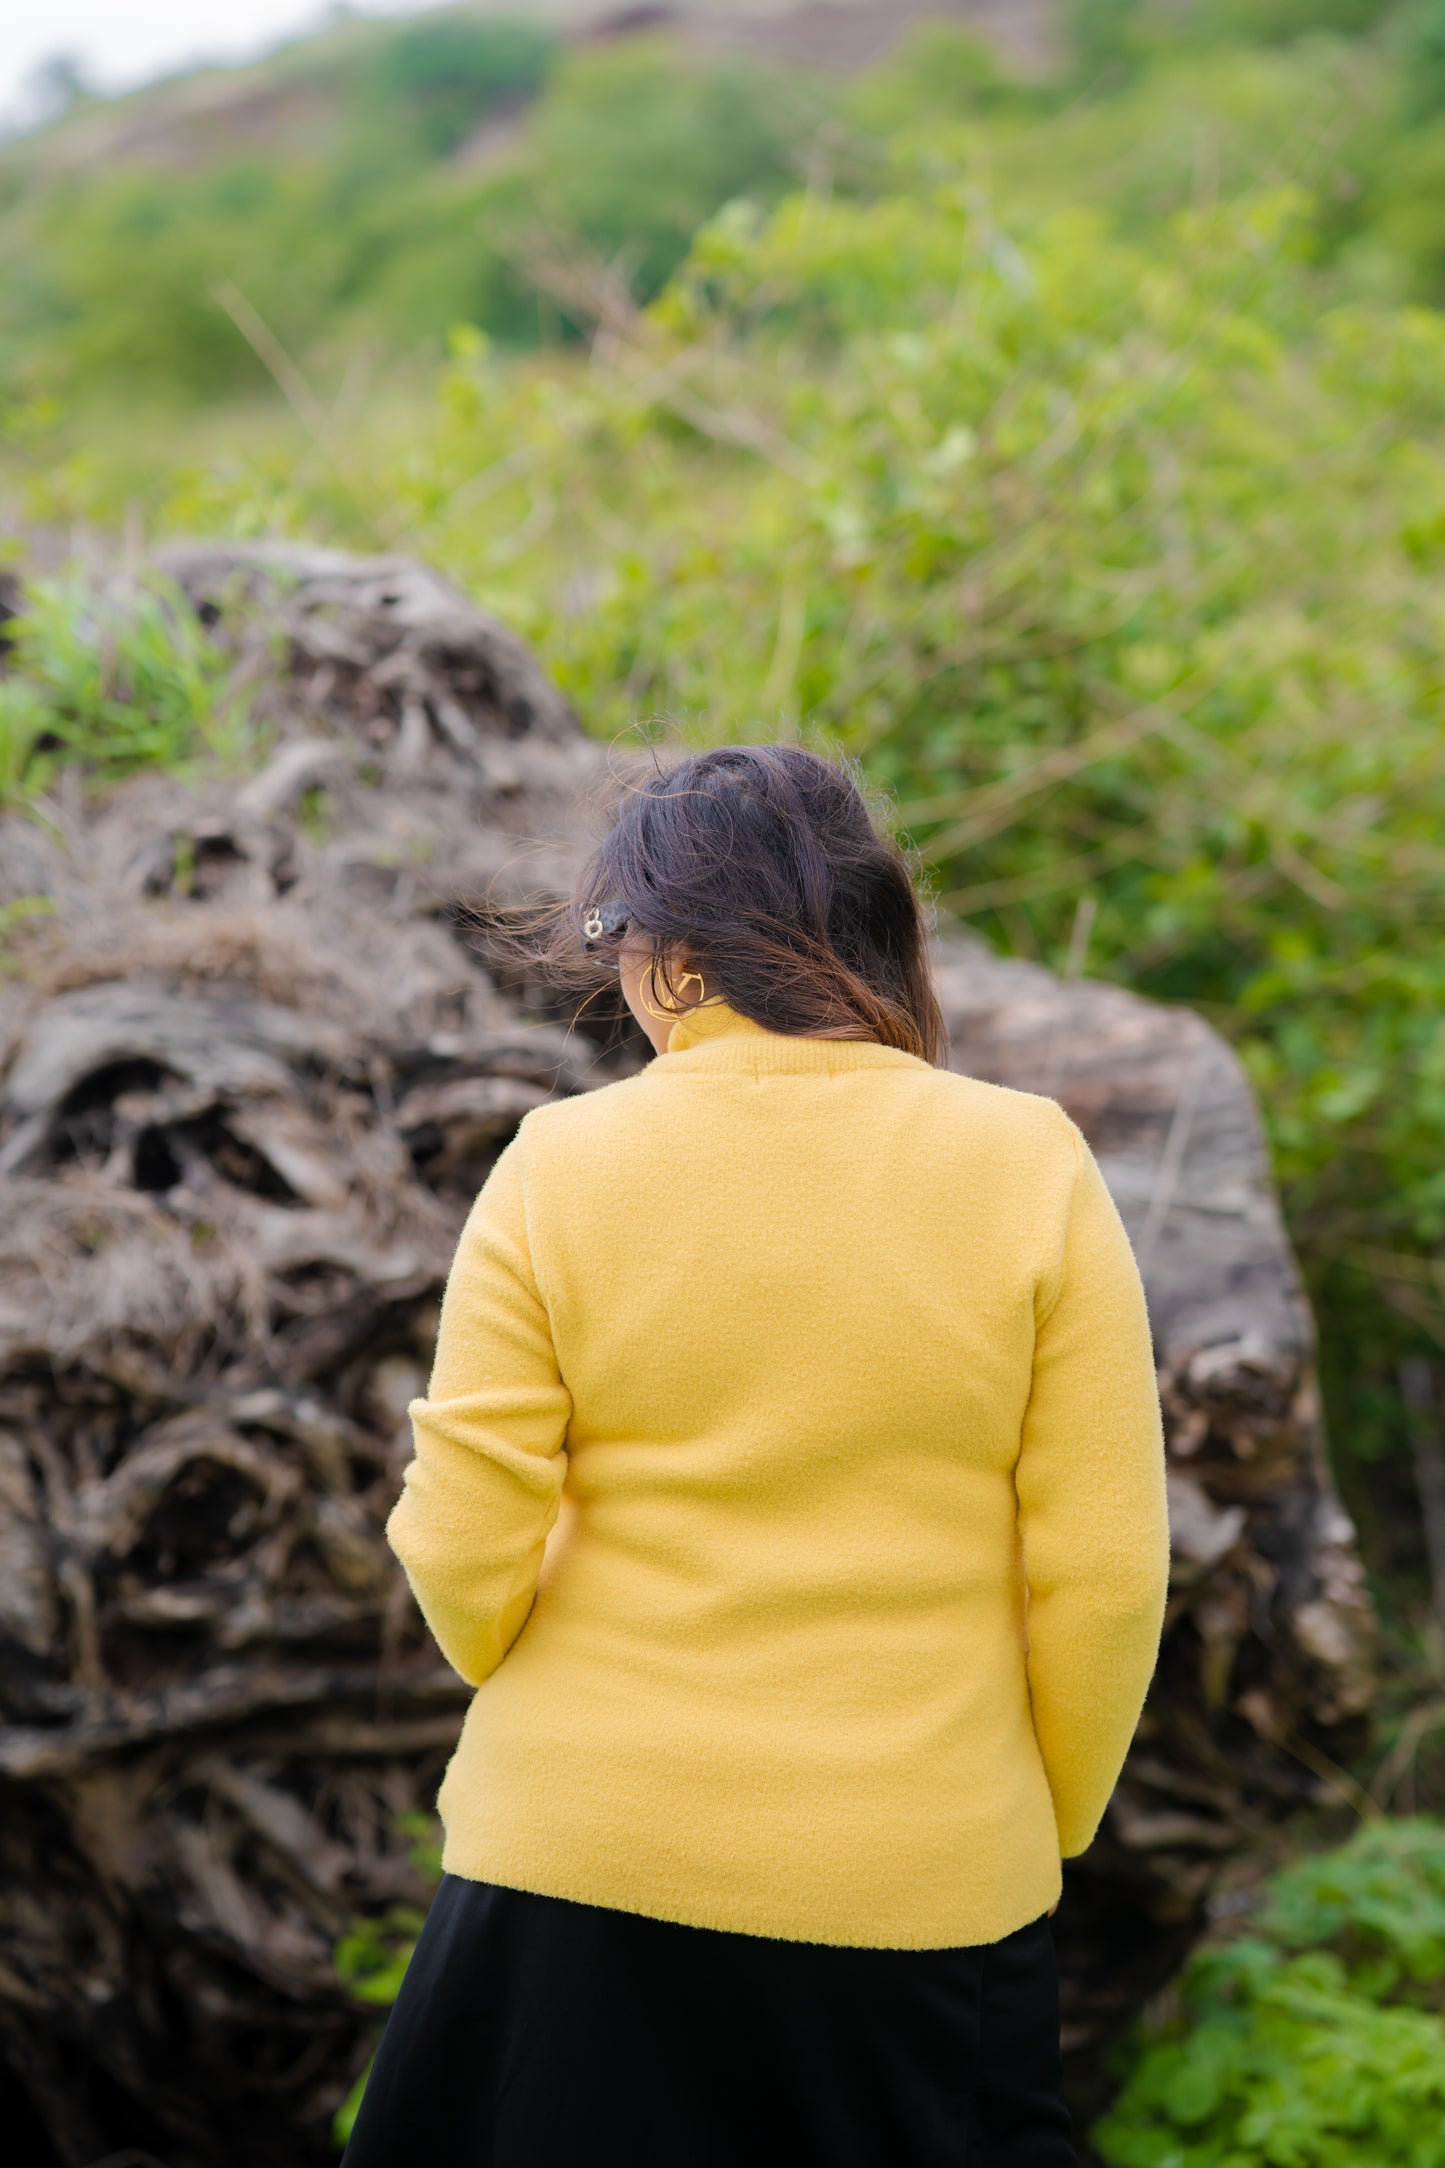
791	1488
844	1364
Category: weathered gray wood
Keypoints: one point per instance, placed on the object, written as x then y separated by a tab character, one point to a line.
250	1074
389	622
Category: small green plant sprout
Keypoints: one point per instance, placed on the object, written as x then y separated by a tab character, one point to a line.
109	681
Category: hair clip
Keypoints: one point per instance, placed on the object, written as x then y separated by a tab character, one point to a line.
604	922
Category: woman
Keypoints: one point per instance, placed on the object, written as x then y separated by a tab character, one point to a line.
835	1366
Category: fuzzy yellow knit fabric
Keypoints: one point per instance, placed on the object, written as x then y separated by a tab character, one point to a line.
828	1376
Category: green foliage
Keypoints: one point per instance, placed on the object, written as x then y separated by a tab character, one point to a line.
441	75
1108	36
367	226
1195	103
131	267
1378	1903
1424	58
372	1956
118	282
1120	565
938	72
110	683
1278	20
1316	2041
371	1962
637	146
1115	35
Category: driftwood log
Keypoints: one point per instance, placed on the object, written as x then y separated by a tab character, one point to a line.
253	1071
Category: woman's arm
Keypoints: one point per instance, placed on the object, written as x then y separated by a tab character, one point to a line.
1092	1513
483	1490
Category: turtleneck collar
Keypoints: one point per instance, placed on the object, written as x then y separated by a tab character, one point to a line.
714	1036
711	1020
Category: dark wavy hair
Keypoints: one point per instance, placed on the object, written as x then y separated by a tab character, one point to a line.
761	867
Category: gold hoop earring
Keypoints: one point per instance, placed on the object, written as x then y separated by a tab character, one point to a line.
666	1016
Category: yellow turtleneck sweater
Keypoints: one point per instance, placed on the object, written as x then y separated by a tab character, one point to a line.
828	1375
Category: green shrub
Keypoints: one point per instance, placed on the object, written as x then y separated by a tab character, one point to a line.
440	76
129	268
371	1961
1317	2040
1424	57
1270	20
113	279
1377	1902
637	145
1120	565
1108	36
937	71
109	682
372	1956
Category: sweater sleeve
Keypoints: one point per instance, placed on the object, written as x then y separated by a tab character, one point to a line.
484	1487
1092	1513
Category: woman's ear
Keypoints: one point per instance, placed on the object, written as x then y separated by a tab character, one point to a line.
659	991
635	968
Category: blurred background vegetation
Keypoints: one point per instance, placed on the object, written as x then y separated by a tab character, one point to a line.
1057	426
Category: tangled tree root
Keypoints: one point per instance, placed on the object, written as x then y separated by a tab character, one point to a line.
254	1072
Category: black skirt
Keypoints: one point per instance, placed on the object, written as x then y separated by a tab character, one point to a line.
534	2033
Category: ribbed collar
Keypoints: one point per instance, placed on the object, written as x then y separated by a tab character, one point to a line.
713	1036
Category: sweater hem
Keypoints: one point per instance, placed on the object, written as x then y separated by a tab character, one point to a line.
722	1918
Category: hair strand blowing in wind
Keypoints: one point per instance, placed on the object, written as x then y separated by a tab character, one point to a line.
760	867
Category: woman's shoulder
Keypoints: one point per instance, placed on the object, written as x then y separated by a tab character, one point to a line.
560	1124
1008	1102
1003	1114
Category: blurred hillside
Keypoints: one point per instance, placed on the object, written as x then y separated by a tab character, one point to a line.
357	195
380	182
